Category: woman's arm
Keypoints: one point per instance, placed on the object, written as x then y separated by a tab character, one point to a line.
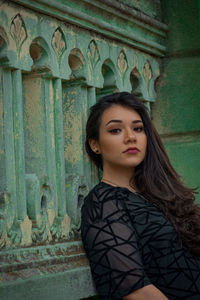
111	244
149	292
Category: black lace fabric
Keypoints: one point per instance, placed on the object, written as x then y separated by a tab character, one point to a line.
130	244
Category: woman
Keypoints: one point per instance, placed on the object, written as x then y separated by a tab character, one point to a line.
140	225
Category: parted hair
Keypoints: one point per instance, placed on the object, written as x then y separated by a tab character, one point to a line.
154	177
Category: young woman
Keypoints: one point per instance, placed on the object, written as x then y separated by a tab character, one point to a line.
140	224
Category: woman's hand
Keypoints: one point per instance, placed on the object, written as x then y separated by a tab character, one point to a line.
149	292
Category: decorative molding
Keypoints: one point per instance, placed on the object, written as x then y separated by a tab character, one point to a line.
123	10
143	32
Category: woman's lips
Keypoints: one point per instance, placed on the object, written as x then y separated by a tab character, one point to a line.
132	150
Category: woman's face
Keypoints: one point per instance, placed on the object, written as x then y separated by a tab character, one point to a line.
122	140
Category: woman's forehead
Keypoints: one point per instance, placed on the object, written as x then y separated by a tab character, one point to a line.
119	112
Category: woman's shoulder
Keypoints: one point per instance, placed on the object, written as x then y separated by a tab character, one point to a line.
103	200
104	192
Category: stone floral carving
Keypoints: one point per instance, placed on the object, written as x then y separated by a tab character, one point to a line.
18	31
58	43
122	62
93	54
147	72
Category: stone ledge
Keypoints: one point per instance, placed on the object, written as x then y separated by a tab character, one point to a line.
22	262
45	272
70	284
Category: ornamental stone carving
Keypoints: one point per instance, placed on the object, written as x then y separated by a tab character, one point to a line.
18	31
58	43
93	54
122	62
147	72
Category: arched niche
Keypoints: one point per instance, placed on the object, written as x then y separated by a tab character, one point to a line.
135	79
109	75
77	63
39	52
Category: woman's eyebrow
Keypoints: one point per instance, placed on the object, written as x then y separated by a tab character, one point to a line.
120	121
114	121
137	121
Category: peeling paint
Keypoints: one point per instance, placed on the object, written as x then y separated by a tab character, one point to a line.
65	226
51	215
26	226
34	122
73	134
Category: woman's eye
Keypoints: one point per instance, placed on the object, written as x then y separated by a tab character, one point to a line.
115	130
139	129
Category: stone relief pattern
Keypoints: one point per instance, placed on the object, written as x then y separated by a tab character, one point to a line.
147	72
18	31
46	227
122	63
58	43
93	54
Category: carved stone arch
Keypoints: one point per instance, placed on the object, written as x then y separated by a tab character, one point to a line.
110	81
40	54
136	81
76	62
109	73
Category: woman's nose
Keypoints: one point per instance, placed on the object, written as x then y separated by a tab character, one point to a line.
130	136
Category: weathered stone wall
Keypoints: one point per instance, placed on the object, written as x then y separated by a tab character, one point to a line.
56	60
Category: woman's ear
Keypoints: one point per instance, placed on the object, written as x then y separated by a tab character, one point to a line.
94	145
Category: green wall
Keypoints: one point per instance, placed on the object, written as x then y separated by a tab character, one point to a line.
176	112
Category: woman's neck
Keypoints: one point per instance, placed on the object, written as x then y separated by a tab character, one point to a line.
119	178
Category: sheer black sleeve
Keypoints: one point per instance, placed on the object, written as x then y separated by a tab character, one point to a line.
111	244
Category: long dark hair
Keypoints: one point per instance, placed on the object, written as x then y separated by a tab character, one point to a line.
155	177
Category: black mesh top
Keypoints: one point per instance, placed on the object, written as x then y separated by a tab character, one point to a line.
130	244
